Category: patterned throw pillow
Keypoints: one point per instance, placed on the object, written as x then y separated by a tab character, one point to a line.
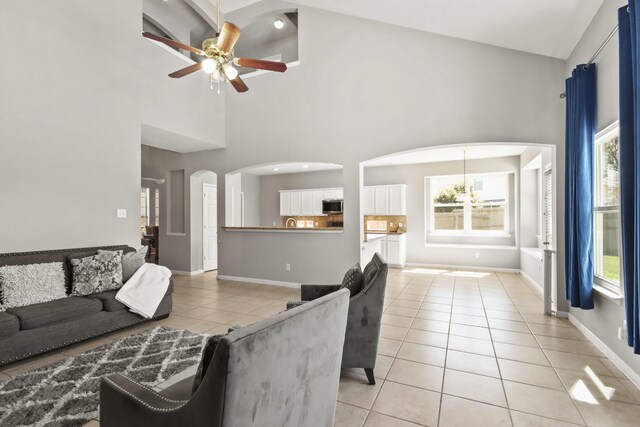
207	355
22	285
353	280
97	273
131	262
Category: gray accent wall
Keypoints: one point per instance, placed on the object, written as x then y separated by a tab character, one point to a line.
421	246
69	124
250	185
455	92
605	319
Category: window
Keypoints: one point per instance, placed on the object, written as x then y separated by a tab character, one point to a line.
479	207
548	206
157	207
606	212
144	210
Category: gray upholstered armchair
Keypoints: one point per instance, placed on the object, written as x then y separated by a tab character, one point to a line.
365	316
281	371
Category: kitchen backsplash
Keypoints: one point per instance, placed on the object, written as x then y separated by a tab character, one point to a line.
388	223
315	221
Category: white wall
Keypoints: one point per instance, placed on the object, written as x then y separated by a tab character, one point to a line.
252	199
418	214
607	316
342	108
69	124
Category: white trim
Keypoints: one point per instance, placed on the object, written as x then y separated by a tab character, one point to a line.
187	273
466	246
617	361
260	281
466	267
608	294
537	286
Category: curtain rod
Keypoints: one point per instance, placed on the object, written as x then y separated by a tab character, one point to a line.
595	55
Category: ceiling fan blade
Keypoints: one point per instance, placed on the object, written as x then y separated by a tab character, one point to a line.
261	64
186	70
228	37
172	43
238	84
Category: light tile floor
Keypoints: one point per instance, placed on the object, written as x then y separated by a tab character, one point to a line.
457	348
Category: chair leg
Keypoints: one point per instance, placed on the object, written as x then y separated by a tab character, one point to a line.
370	377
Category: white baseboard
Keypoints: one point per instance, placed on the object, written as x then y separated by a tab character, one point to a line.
260	281
620	364
465	267
537	286
187	273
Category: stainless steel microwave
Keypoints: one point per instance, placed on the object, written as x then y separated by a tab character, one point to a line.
332	206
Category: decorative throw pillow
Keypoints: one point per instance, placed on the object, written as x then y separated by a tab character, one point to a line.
97	273
131	262
207	355
353	280
22	285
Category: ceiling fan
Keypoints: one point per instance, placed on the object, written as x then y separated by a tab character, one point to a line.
219	61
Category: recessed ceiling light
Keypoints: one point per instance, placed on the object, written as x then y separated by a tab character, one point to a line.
276	169
278	23
305	166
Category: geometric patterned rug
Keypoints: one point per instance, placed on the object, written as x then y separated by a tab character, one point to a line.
67	393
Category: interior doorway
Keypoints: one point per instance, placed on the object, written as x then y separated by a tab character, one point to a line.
209	227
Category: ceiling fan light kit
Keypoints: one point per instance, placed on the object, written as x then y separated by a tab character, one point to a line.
219	61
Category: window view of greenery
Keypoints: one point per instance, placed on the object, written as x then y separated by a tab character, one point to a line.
607	210
480	206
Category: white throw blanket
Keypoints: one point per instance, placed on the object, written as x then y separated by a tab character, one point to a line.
144	291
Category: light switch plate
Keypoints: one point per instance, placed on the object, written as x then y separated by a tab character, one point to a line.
121	213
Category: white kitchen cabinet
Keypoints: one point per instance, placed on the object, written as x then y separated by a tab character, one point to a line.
368	201
385	200
316	202
394	250
397	200
330	194
285	203
306	203
296	203
381	200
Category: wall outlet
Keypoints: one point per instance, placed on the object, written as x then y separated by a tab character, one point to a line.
274	223
399	224
287	267
477	254
316	223
121	213
391	224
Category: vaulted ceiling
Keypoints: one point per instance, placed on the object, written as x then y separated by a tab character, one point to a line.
544	27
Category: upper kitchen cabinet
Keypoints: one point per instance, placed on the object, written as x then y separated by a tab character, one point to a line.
385	200
306	202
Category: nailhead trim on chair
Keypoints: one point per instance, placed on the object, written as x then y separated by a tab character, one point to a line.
136	398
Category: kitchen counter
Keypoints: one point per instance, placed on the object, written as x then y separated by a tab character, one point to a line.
374	235
287	229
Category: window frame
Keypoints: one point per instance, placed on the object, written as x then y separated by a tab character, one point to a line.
468	206
604	136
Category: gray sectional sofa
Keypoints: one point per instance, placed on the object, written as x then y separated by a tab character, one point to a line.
35	329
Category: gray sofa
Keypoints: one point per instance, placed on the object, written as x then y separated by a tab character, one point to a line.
365	316
282	371
35	329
